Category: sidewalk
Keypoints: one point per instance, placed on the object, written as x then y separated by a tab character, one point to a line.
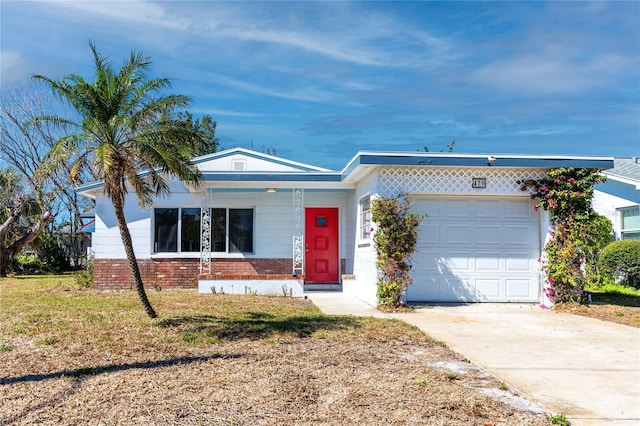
585	368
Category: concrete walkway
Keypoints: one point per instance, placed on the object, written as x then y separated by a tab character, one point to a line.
585	368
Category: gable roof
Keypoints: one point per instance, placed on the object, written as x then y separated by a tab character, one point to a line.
272	162
263	168
626	170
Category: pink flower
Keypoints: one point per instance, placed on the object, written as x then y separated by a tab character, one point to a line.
571	180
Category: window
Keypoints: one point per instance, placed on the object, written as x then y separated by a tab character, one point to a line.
231	230
165	235
190	227
630	223
365	218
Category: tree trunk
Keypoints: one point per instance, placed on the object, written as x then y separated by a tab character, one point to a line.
118	205
4	261
7	253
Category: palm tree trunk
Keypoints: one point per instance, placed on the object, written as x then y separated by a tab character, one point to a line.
118	205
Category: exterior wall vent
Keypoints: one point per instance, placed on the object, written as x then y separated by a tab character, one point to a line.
238	165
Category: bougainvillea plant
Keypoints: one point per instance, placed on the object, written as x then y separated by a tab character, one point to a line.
395	240
571	254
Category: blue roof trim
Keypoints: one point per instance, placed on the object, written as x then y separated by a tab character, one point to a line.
278	190
89	186
480	161
275	177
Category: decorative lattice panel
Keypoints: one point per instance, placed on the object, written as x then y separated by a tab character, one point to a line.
205	221
454	181
298	231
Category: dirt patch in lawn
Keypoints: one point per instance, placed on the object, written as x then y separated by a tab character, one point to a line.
618	308
71	357
627	315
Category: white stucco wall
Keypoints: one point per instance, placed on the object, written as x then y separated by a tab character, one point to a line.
364	285
607	205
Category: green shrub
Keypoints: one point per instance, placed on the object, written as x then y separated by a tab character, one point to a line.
621	260
559	419
28	262
84	277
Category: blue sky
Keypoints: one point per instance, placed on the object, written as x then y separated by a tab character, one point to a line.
319	81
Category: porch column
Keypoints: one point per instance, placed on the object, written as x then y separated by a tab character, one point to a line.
205	230
298	231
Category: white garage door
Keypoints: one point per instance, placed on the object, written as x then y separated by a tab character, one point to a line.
476	250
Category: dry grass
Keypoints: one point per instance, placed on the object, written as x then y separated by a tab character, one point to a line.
612	303
73	356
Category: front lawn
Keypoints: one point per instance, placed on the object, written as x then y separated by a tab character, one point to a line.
77	356
612	302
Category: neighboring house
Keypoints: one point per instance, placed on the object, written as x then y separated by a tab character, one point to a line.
81	239
619	197
263	224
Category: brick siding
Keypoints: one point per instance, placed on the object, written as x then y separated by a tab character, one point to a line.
114	274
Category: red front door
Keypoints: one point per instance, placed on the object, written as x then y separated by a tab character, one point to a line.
321	245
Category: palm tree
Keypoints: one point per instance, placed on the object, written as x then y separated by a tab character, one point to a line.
127	135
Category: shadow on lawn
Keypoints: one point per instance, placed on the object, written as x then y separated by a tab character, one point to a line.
92	371
613	298
257	325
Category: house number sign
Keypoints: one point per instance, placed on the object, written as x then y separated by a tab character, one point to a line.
478	182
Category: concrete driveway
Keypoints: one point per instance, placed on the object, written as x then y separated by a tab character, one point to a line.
585	368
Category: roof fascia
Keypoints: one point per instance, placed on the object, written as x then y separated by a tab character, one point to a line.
274	177
365	158
632	182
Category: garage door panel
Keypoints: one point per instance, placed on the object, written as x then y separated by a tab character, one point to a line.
488	289
452	261
488	209
426	260
488	262
519	235
432	206
520	262
488	235
478	249
459	209
427	288
433	231
519	210
456	234
518	289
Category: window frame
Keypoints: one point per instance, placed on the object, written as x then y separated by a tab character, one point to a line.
364	218
227	239
179	233
621	211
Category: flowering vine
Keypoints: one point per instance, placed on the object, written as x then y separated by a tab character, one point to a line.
579	232
395	241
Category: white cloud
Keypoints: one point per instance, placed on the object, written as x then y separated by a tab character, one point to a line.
142	12
547	73
310	94
333	30
13	66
